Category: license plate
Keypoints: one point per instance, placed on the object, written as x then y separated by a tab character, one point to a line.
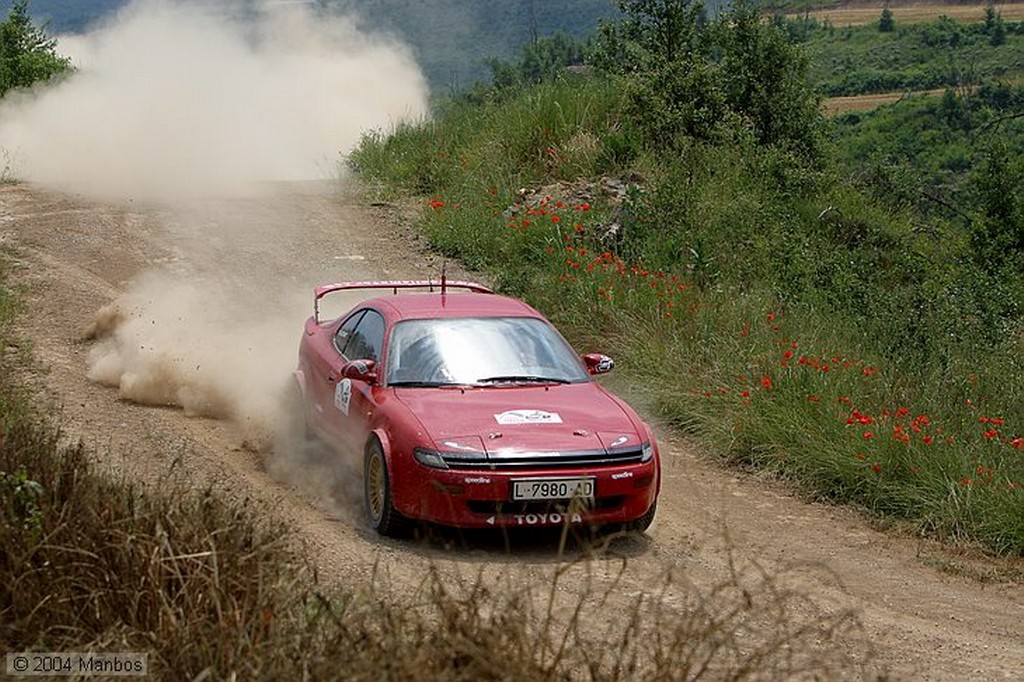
552	488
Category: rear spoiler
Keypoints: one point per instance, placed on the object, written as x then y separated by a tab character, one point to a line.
442	286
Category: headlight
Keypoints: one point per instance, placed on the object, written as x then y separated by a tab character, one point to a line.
429	458
647	451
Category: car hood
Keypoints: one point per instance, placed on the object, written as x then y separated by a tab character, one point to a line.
555	418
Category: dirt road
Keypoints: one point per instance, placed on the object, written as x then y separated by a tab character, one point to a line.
239	273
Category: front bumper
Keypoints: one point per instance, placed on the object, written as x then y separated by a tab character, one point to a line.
482	498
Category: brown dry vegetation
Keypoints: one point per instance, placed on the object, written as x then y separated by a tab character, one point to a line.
856	14
834	106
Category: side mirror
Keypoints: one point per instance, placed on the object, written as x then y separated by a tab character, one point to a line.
597	363
360	370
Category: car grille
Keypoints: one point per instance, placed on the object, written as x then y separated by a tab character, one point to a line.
542	460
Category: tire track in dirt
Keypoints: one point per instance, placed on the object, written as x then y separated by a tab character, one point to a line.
72	257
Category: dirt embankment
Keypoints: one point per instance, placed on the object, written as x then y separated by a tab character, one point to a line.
218	289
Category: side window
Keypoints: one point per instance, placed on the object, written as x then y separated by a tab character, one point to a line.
366	340
344	333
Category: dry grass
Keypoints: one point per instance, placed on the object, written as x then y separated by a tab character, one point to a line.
833	106
915	13
209	591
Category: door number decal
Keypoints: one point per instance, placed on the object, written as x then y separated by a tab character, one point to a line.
343	395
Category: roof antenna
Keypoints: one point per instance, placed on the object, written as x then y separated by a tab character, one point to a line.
444	276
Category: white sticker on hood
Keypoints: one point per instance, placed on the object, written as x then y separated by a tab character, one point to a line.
528	417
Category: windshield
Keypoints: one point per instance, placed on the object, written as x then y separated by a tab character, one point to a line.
480	350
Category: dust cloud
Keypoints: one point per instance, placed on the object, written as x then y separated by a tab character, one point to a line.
165	342
198	113
174	99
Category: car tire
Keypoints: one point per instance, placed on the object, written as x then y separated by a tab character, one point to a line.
644	522
380	508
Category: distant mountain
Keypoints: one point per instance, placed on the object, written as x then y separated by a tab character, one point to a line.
450	38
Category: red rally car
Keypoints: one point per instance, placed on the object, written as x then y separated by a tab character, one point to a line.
471	410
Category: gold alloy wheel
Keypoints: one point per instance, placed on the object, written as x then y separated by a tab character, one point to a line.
375	485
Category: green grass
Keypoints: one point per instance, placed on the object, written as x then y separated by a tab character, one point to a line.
712	241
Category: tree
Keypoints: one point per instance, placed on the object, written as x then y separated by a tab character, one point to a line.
994	25
998	235
651	33
885	22
541	59
765	80
735	77
27	54
991	14
670	83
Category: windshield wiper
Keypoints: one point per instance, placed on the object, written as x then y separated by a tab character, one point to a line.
523	379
